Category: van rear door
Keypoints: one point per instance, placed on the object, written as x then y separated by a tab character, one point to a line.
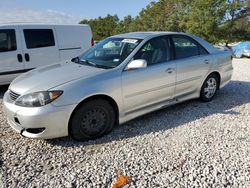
39	46
11	59
73	40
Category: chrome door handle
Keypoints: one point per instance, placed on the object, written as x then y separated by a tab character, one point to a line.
170	70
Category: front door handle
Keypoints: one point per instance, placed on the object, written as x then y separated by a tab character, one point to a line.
206	61
170	70
27	57
19	58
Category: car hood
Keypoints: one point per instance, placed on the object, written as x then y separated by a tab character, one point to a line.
45	78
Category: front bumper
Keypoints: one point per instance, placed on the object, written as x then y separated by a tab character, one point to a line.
50	119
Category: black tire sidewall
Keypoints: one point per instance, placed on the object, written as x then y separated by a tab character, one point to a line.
74	125
202	93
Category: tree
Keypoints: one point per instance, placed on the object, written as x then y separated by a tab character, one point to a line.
124	25
204	19
213	20
164	15
237	21
102	27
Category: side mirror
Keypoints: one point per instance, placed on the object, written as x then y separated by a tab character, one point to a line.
137	64
75	59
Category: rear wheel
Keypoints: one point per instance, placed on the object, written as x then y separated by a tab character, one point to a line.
209	88
91	120
238	55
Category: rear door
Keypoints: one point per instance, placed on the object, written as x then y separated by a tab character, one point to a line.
11	60
193	62
39	46
73	40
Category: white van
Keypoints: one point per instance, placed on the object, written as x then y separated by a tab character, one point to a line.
26	46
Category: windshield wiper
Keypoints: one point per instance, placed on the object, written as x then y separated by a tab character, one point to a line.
87	62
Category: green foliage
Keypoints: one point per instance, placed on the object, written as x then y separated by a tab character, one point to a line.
125	25
213	20
237	21
102	27
204	19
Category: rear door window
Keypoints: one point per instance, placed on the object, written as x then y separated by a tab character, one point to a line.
187	47
7	40
39	38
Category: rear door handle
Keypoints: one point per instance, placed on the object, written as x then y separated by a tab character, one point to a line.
19	58
170	70
27	57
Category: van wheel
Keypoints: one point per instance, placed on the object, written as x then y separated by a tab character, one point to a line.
209	88
92	120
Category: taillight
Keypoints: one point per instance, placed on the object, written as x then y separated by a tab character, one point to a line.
92	42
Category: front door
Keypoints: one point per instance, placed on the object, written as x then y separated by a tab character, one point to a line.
156	83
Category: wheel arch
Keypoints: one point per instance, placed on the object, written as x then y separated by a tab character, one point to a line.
111	101
218	76
211	73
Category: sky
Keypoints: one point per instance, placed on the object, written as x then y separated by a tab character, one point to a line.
66	11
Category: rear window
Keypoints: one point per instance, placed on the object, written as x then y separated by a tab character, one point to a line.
39	38
7	40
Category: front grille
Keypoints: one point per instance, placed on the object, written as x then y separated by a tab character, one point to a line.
13	95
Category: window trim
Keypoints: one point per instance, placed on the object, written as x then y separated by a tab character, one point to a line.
15	40
191	39
30	48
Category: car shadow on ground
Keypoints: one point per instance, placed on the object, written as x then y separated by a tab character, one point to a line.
236	93
3	89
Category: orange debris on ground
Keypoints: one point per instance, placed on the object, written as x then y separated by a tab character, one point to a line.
122	180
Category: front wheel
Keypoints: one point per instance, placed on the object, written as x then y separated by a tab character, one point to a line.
209	88
91	120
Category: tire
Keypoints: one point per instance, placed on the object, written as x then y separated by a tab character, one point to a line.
209	88
238	55
92	120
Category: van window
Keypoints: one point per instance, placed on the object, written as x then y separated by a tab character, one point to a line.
39	38
7	40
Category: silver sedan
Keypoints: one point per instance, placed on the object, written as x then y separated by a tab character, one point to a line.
121	78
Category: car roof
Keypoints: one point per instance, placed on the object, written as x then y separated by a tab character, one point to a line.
147	35
143	35
246	43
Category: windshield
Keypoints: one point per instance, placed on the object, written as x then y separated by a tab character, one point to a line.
110	52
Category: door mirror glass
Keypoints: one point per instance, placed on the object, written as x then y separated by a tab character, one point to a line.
75	60
137	64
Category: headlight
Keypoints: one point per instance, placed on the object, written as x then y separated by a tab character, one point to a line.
38	98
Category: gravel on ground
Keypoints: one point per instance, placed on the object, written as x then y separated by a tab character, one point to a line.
192	144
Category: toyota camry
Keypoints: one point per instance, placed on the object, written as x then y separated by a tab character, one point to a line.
120	78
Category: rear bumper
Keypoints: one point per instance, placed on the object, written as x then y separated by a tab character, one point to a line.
48	121
247	54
